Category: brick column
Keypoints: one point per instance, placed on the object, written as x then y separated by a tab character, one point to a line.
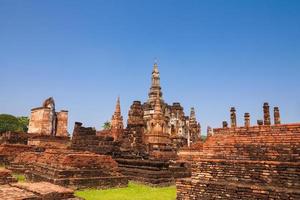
233	117
267	120
260	122
225	124
247	119
276	115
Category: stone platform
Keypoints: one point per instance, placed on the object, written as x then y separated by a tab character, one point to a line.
36	191
147	171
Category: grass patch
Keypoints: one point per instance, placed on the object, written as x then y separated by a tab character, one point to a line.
134	191
20	177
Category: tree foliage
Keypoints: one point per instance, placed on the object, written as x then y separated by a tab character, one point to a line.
106	125
12	123
23	123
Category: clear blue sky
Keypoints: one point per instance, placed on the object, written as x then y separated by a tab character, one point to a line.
212	55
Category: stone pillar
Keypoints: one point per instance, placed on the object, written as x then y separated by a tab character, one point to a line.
233	117
267	118
225	124
62	124
247	120
209	131
276	116
260	122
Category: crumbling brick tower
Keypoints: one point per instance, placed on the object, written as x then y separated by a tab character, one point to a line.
179	126
46	121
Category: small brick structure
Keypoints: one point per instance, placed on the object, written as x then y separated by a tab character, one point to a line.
86	139
71	169
6	177
45	120
258	162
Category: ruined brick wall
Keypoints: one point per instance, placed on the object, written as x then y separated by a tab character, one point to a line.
62	124
49	142
86	139
260	162
45	121
14	138
9	151
40	122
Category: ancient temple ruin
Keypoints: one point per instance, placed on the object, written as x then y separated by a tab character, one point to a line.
147	147
47	122
159	146
160	121
157	116
176	124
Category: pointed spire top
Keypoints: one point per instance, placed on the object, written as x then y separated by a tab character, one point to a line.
118	100
155	67
155	88
118	106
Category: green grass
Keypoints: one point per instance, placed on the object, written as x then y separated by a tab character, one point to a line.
132	192
20	177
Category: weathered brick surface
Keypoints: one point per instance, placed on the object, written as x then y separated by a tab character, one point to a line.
35	191
260	162
46	190
8	192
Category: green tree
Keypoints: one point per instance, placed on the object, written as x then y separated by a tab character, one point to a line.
23	123
12	123
9	123
106	125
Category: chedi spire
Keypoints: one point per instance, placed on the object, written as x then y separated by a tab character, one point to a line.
157	109
155	89
117	118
